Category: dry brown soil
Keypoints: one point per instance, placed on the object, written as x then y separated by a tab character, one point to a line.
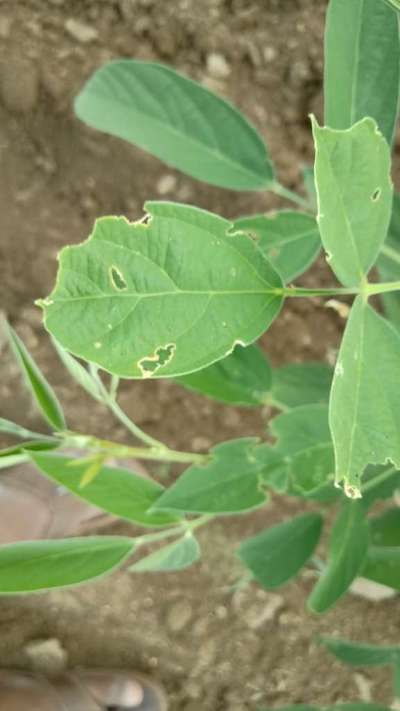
215	649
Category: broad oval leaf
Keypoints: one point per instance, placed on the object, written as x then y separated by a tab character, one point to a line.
300	384
370	348
175	556
243	378
231	481
277	554
362	64
289	239
385	528
164	297
348	547
177	120
359	653
353	215
37	383
42	565
116	490
389	264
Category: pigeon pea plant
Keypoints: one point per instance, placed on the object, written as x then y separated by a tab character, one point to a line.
184	294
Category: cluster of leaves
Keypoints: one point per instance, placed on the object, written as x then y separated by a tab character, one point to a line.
184	294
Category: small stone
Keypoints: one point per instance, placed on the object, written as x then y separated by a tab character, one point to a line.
80	31
19	85
46	656
201	444
369	590
179	616
166	184
5	27
269	54
217	66
363	686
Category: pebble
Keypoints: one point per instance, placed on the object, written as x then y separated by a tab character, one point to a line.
166	184
257	615
46	656
217	66
80	31
19	85
369	590
179	616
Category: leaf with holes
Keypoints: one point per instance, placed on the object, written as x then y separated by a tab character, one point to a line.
163	297
175	556
364	414
243	378
353	214
348	547
42	565
230	482
37	383
277	554
119	491
290	240
362	64
177	120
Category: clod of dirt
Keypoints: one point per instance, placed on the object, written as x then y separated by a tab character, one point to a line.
19	85
46	656
217	66
179	616
80	31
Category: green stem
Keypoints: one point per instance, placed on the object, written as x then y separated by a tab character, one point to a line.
371	289
295	291
391	253
280	190
378	479
184	527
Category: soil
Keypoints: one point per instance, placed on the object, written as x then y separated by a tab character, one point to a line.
215	648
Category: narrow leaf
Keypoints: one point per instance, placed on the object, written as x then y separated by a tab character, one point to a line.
364	391
177	120
176	556
362	61
299	384
161	298
11	460
79	372
347	553
243	378
38	385
360	654
42	565
353	215
289	240
277	554
11	428
35	445
116	490
230	482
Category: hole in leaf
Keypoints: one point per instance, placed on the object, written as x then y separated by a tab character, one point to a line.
376	195
117	279
161	357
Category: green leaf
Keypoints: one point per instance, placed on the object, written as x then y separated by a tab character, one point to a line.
35	445
11	460
191	292
177	120
176	556
309	184
79	373
383	565
230	482
353	214
384	489
389	264
37	383
41	565
304	441
277	554
385	528
364	412
299	384
362	60
116	490
360	654
348	547
289	240
394	4
243	378
12	428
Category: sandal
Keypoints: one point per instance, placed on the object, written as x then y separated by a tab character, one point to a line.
85	690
